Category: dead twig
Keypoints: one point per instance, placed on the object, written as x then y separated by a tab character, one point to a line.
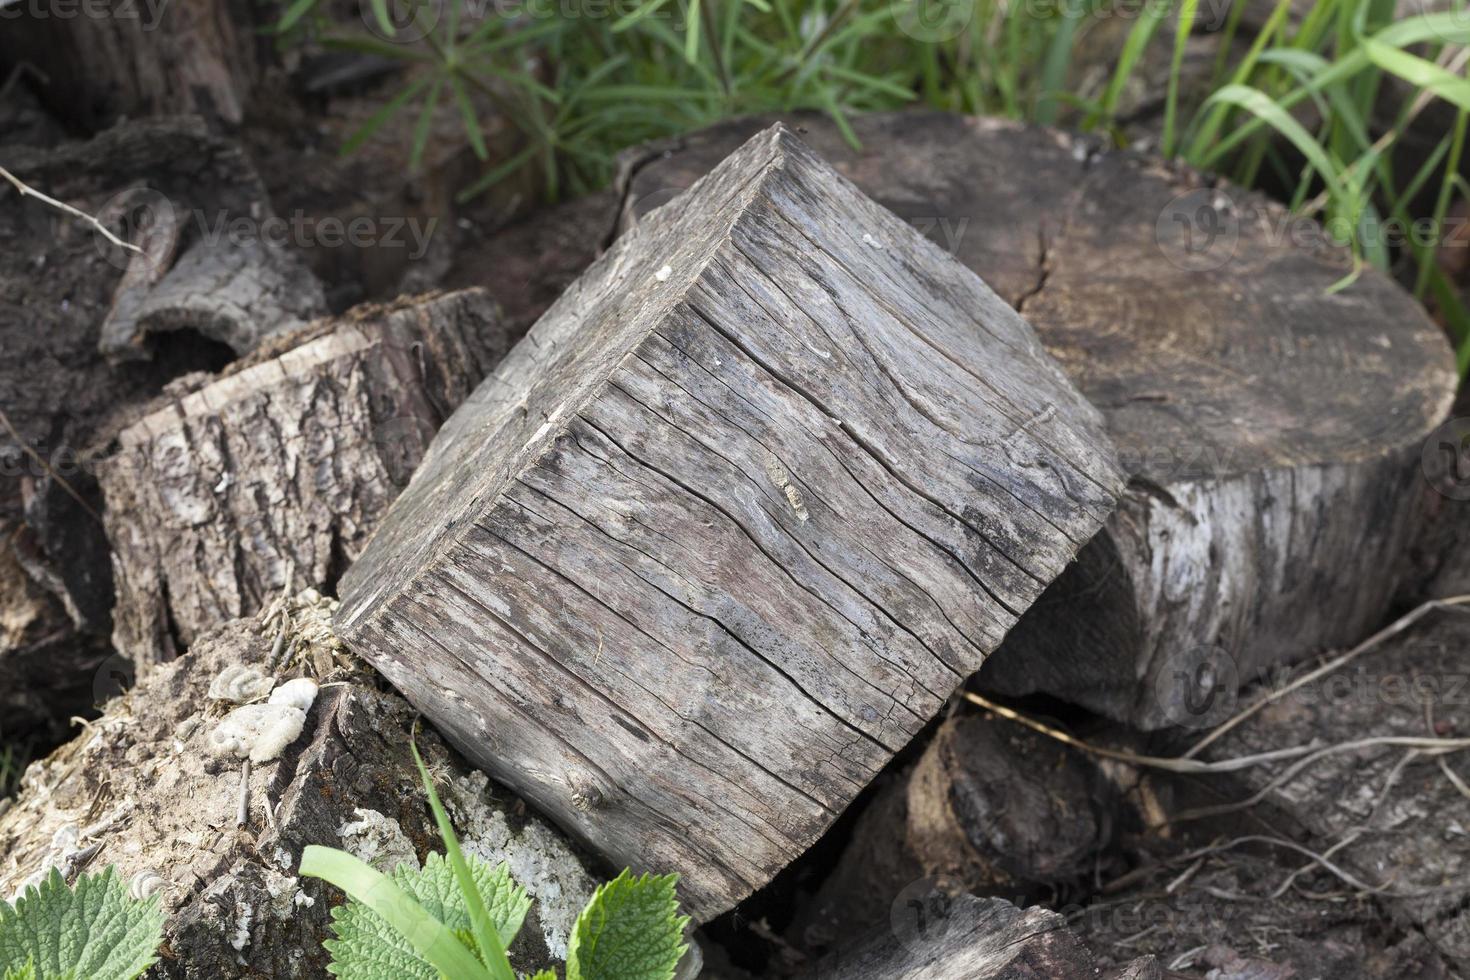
27	191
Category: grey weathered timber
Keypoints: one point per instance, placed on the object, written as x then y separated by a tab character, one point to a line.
725	530
282	465
1271	430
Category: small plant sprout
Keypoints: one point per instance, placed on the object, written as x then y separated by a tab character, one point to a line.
456	917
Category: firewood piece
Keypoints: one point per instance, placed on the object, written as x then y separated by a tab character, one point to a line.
141	783
287	460
725	530
962	937
1271	430
990	808
1408	812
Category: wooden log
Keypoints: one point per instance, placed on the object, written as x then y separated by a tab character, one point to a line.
141	789
107	59
1396	819
990	808
725	530
283	465
1271	430
962	937
1438	564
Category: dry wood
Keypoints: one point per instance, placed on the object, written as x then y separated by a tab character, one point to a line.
989	808
1272	431
288	459
724	531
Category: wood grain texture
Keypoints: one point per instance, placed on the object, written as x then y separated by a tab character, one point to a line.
1271	431
288	460
724	531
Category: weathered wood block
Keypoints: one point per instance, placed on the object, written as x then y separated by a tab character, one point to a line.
286	461
1271	429
725	530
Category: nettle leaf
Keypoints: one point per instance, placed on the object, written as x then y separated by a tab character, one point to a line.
631	930
93	930
366	947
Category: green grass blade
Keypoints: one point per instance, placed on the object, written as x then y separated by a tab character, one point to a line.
1187	14
424	124
429	937
1133	47
294	13
1419	73
380	13
471	119
492	949
375	122
1058	58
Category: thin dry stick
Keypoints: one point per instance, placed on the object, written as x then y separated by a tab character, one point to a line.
25	447
1393	629
1194	766
28	191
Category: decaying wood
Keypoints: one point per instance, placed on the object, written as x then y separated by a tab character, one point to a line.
1271	430
724	531
1438	564
961	937
989	808
1395	818
283	464
59	278
106	59
139	789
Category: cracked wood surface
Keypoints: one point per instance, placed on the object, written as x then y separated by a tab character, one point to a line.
287	460
725	530
1271	431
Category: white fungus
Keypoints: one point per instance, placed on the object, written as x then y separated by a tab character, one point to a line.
239	683
298	693
259	731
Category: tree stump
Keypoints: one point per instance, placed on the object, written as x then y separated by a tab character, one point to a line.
114	58
141	790
1271	430
285	462
729	525
989	808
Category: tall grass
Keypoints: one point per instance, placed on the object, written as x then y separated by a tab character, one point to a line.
1290	106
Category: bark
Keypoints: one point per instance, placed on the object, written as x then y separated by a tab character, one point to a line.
967	938
283	465
58	281
1271	430
1402	810
108	59
990	808
725	530
141	786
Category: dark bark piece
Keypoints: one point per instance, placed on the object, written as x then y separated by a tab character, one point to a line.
142	783
1411	817
1272	431
1221	922
966	938
724	531
990	808
1438	565
114	58
287	461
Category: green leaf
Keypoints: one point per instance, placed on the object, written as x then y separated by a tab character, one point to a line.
294	13
545	975
631	930
384	933
25	971
489	937
93	930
